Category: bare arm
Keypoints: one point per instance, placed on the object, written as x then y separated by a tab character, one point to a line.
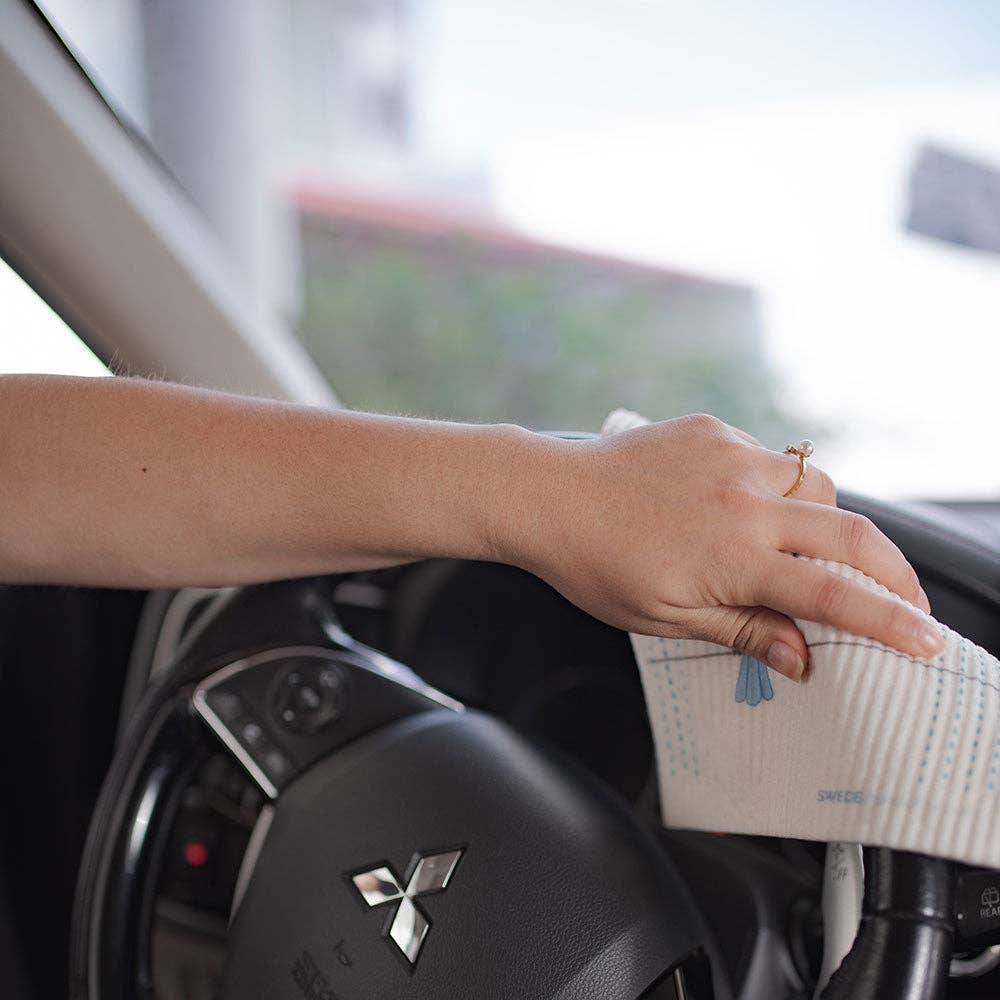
675	529
133	483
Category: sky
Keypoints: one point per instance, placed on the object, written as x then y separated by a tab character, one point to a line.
486	73
768	148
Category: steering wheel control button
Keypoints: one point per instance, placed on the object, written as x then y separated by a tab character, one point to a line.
226	705
276	764
977	908
309	696
251	735
379	887
195	854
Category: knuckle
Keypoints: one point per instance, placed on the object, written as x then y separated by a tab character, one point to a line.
704	423
733	496
898	620
856	533
826	487
829	596
743	635
729	493
650	604
648	608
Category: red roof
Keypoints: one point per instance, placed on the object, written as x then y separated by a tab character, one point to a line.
429	221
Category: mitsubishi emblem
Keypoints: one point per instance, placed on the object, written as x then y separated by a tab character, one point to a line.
380	887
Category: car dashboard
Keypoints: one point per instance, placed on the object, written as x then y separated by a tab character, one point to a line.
498	639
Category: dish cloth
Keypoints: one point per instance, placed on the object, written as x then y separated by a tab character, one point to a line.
875	746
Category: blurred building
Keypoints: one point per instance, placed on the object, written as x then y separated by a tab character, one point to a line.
955	198
345	82
345	103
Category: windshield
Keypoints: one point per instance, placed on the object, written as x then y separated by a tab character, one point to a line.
36	340
785	214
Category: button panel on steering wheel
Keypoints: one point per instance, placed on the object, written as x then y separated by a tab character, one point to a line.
280	711
309	695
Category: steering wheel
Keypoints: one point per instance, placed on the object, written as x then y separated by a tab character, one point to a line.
411	847
904	944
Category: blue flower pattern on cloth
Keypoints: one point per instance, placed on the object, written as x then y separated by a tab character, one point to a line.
753	683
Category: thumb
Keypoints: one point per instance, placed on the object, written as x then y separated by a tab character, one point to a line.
770	637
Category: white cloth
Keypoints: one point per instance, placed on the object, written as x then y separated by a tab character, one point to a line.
875	746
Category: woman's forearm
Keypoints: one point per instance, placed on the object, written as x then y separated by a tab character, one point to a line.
676	529
129	483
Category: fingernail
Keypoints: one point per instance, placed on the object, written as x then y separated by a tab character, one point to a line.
924	602
785	660
929	639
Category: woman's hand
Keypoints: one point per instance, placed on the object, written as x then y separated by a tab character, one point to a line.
679	529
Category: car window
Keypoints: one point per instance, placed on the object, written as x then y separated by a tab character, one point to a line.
34	338
785	214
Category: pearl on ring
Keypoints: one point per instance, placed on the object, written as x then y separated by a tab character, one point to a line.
804	448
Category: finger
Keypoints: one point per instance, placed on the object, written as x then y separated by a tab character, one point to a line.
827	533
782	472
802	589
770	637
749	438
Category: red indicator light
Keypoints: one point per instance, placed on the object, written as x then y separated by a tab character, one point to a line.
195	854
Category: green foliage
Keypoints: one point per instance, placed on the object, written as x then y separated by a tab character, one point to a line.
456	332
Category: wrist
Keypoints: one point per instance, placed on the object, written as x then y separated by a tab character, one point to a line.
528	473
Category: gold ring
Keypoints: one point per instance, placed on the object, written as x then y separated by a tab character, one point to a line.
801	451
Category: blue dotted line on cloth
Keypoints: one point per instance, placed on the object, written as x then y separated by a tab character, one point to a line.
682	750
957	717
980	712
991	784
931	730
692	741
664	707
675	704
980	717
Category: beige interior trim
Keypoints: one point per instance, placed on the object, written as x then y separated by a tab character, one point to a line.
92	220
